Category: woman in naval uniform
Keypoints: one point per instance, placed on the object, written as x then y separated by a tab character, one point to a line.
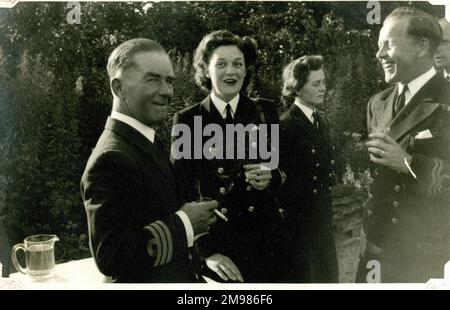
244	248
306	156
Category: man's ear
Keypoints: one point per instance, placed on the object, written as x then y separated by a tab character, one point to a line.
117	87
424	47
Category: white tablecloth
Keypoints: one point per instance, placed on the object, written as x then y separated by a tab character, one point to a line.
83	274
73	273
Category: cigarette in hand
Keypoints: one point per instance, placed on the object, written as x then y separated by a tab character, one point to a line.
219	214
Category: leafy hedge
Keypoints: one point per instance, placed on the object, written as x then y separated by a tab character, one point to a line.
41	159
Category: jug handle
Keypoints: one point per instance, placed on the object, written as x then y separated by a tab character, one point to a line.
15	262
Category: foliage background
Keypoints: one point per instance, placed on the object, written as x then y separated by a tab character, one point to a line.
54	92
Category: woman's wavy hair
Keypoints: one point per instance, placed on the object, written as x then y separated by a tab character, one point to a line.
210	43
295	74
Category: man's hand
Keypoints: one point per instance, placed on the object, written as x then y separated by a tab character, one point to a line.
224	267
201	215
258	176
387	152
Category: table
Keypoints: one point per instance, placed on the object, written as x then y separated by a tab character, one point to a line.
84	274
80	274
74	273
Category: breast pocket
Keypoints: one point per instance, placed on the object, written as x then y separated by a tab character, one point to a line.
436	146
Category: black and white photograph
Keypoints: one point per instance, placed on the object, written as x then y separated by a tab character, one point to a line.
209	144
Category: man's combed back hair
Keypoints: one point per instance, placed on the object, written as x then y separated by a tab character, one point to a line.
421	25
295	74
121	57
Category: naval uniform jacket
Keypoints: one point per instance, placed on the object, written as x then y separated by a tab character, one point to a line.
249	237
306	158
130	194
409	218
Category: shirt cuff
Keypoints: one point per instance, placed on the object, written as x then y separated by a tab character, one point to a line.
187	226
408	166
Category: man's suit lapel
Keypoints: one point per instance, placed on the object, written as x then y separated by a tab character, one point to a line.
420	107
385	108
303	123
134	137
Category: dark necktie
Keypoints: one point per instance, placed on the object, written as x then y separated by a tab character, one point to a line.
158	143
315	116
229	117
400	102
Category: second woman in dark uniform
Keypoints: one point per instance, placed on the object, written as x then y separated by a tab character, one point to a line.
306	157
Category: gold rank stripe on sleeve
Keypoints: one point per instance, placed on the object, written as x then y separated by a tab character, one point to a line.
163	240
163	243
168	238
155	240
437	177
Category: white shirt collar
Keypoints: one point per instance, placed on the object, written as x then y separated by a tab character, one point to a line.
415	85
148	132
305	109
446	74
221	105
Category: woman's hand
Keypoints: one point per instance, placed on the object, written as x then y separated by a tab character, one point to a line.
258	176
